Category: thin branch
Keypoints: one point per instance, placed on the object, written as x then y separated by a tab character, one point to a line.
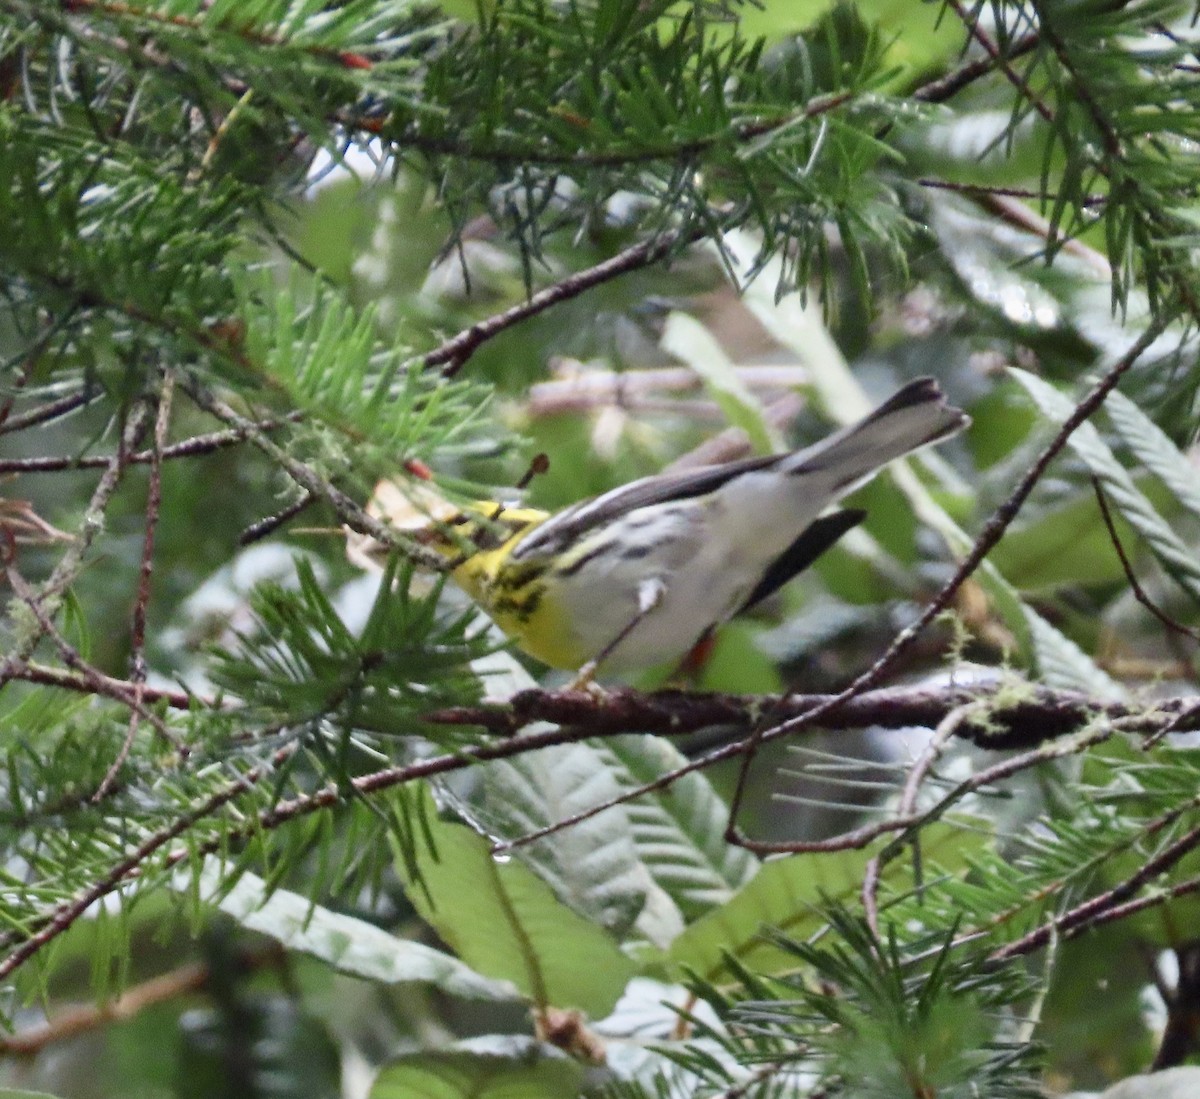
186	448
948	86
1085	914
1130	908
454	352
127	693
1138	592
946	730
64	915
982	189
255	532
80	1019
348	511
680	151
1017	213
137	657
99	683
999	60
51	410
48	598
1000	728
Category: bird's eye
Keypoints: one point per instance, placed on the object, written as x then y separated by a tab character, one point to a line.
488	536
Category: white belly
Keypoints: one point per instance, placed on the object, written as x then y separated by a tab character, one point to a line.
718	548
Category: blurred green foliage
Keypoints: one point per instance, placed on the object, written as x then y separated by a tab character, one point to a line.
286	204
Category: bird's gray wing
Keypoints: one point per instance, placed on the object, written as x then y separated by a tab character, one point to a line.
569	525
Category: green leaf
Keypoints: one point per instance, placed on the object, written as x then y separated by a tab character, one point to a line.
785	895
1155	450
1065	545
530	1071
687	339
680	833
1063	664
1179	560
505	922
350	945
592	866
788	895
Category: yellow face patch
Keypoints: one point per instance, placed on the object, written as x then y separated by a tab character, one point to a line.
517	598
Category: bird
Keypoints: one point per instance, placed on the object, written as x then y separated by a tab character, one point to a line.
641	574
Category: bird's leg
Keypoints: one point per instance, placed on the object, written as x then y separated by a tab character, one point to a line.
694	660
650	595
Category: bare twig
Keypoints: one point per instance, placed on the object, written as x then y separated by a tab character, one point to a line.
137	659
945	731
187	448
981	189
999	60
51	410
96	682
265	527
49	596
1085	914
72	1022
454	352
1138	592
80	1019
947	86
1018	214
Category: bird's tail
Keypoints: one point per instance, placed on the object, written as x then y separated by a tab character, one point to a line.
911	418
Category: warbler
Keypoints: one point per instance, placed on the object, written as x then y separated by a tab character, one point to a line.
637	576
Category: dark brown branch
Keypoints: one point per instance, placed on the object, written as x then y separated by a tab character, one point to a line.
186	448
137	658
101	684
1085	915
1038	715
454	353
127	694
1118	912
999	60
982	189
948	86
1131	577
255	532
51	410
